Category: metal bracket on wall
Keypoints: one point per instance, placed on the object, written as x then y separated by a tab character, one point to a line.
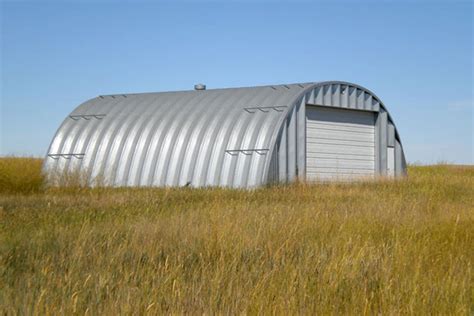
66	156
87	117
235	152
265	109
113	96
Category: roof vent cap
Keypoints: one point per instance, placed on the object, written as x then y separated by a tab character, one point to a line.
199	86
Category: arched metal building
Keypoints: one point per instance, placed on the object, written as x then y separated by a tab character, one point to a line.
239	137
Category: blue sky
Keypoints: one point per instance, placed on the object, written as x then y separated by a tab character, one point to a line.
417	56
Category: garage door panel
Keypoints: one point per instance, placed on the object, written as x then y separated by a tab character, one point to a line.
338	177
351	129
341	156
340	163
345	171
325	134
340	149
339	144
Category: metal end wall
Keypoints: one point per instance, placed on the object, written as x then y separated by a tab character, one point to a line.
241	137
290	144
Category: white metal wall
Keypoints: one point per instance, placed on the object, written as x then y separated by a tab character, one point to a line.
340	143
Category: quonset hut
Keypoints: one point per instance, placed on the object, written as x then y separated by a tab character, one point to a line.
238	137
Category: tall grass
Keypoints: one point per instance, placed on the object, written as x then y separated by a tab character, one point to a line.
390	247
20	175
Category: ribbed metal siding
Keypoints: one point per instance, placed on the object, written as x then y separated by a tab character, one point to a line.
242	137
343	95
216	137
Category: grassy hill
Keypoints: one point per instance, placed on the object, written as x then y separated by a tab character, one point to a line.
388	247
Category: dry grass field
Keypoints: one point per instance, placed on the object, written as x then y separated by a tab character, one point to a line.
389	247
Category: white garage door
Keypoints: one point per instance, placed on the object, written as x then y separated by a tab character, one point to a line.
339	144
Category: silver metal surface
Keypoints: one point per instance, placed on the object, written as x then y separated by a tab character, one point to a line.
239	137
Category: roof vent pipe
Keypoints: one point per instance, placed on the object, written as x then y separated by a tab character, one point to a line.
199	86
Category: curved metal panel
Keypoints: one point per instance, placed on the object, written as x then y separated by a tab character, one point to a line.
199	138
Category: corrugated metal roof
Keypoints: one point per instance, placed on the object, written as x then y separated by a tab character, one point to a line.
198	138
216	137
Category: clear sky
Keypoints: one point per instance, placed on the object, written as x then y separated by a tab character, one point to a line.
417	56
